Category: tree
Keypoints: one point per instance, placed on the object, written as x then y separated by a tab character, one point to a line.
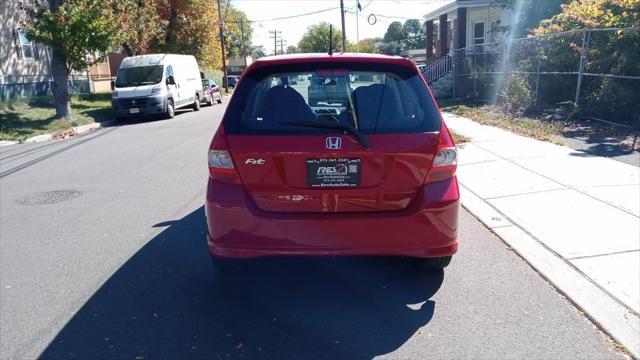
238	31
73	29
142	24
258	51
192	29
529	13
292	49
415	34
316	39
395	32
367	46
608	52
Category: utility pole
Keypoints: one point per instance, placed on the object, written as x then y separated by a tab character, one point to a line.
275	39
344	34
225	82
242	49
282	45
357	24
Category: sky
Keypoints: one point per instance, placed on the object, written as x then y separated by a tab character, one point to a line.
386	11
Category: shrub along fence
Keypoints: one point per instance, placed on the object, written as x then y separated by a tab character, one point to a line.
594	72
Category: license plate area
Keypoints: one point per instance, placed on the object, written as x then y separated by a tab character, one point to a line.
134	110
333	172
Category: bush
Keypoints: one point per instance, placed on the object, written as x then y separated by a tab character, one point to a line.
516	96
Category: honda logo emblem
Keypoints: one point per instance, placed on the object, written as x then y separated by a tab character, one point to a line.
334	143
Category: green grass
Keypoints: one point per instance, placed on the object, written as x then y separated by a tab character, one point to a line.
537	128
21	119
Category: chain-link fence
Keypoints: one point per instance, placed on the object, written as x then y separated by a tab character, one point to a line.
595	72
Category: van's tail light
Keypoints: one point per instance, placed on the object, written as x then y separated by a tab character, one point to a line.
445	162
221	166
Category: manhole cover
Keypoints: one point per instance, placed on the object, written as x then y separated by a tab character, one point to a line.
50	197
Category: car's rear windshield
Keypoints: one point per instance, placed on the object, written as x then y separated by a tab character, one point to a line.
373	98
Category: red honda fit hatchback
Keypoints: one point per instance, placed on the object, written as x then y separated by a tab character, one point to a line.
367	167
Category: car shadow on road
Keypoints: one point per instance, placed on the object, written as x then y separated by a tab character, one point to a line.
167	302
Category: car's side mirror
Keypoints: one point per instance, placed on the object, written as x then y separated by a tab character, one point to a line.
113	85
171	80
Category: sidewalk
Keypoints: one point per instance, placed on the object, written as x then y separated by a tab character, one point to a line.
573	216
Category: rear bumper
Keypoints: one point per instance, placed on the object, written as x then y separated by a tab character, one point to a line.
237	229
156	104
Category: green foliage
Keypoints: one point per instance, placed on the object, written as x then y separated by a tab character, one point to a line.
258	51
607	52
237	28
316	39
516	95
291	49
192	29
401	37
579	14
529	13
366	46
416	36
77	28
141	23
395	32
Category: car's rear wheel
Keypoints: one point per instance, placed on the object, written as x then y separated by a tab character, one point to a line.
433	263
196	103
171	110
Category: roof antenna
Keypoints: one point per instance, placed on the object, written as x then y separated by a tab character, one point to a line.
330	39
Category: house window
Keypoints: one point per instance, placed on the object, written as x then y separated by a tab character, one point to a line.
478	33
26	46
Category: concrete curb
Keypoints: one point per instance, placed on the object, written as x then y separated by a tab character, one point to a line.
7	142
74	130
611	316
39	138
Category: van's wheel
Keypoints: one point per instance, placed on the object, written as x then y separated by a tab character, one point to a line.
196	103
171	110
220	99
433	263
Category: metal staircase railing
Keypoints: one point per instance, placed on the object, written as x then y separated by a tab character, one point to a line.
438	69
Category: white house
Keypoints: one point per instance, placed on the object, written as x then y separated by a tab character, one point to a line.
462	23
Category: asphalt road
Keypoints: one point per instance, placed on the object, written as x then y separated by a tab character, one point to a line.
103	255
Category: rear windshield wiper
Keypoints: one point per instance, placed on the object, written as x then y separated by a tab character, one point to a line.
325	125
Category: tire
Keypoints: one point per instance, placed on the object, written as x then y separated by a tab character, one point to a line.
220	99
434	263
196	103
171	109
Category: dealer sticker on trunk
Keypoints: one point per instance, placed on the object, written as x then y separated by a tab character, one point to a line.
333	172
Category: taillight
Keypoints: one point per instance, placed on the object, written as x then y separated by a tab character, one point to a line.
445	162
221	166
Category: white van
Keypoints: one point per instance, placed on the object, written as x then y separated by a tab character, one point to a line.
156	84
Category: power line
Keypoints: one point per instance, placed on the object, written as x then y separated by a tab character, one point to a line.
295	16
